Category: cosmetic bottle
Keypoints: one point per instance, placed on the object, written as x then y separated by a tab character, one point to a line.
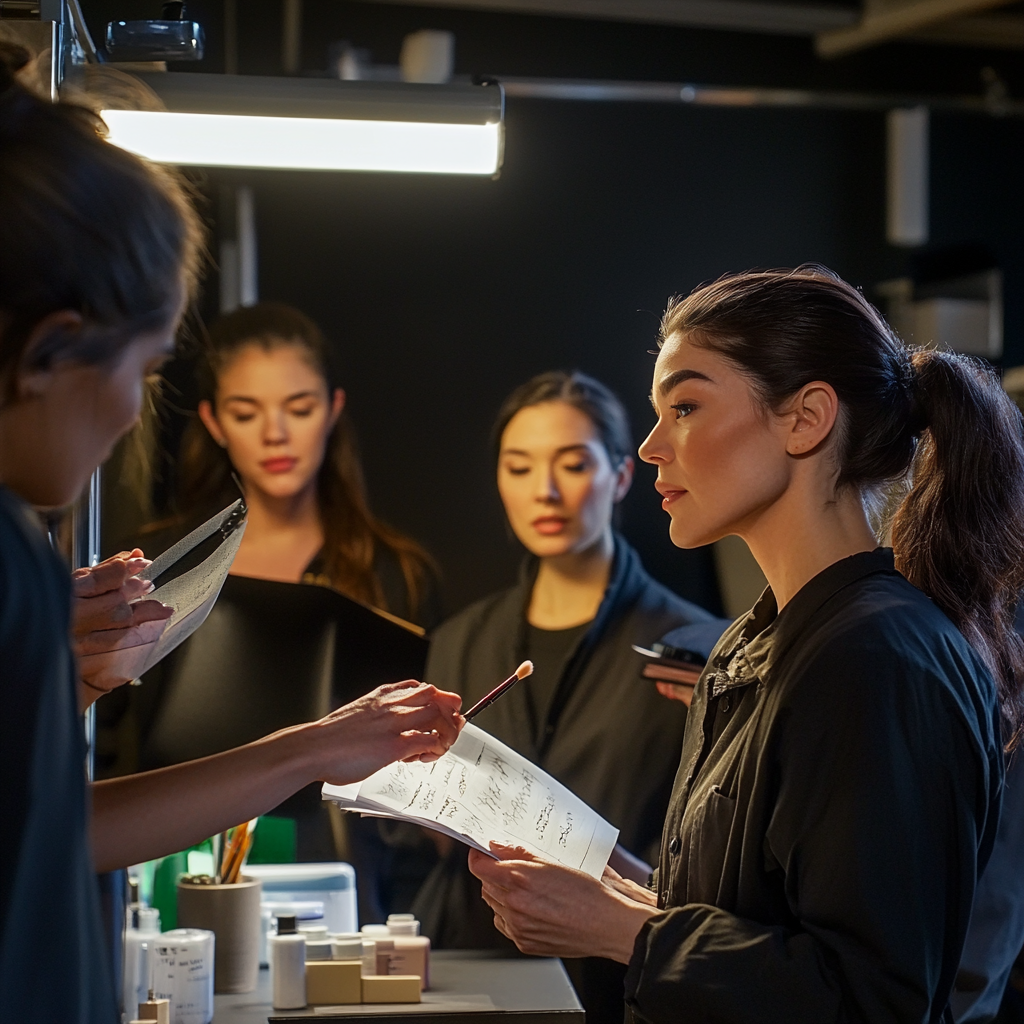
287	953
412	950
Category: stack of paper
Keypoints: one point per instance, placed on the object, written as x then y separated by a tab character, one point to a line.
191	593
482	791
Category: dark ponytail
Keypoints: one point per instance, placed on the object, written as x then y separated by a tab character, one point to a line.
958	534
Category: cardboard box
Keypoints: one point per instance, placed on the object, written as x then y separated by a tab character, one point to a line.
391	988
333	982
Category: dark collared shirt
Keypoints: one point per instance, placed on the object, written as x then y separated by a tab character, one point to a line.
837	797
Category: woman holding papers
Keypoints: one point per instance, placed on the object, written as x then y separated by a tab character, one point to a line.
840	780
99	253
563	451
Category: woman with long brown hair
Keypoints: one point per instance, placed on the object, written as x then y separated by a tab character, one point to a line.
841	773
271	412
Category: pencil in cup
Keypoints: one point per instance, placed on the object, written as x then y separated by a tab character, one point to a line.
502	688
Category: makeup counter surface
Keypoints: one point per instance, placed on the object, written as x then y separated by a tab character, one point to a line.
467	987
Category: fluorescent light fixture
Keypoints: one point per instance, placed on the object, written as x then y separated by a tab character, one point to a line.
315	124
306	143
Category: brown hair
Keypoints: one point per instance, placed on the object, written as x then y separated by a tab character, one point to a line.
597	402
352	534
958	534
84	226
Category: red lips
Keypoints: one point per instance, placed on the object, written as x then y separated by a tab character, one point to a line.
549	526
282	464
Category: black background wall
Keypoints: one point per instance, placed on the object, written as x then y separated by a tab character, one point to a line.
441	294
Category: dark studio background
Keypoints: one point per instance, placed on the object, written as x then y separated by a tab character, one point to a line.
443	293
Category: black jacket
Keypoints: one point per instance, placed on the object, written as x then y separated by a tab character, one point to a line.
837	797
609	735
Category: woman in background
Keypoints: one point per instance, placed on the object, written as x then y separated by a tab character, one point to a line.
272	417
564	462
272	412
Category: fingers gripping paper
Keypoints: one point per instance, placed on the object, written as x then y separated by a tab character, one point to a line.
191	594
483	791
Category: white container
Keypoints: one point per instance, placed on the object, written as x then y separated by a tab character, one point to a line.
331	883
182	967
318	942
304	910
135	977
347	946
287	949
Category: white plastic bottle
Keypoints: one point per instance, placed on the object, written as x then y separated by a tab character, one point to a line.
135	978
287	952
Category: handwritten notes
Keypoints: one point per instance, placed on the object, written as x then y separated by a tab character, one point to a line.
483	791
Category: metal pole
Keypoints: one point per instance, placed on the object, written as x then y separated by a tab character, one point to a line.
85	550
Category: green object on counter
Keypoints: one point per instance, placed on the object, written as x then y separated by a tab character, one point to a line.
275	841
165	888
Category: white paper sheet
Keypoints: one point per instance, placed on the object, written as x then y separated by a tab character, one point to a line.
483	791
191	595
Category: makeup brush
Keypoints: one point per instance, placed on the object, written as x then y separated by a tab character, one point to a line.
520	673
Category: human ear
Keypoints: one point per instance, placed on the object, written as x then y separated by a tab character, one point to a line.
813	413
209	418
623	478
34	381
337	404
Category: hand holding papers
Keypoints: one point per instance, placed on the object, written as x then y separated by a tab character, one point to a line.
483	791
192	577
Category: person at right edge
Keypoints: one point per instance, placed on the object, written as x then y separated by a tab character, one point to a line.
839	788
585	716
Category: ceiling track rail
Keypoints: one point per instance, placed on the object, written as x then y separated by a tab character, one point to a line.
726	96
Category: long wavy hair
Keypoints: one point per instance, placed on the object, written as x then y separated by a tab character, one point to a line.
353	535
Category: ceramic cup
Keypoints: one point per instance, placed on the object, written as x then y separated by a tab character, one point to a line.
232	913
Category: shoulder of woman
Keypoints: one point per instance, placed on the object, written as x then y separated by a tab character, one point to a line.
35	585
888	643
499	611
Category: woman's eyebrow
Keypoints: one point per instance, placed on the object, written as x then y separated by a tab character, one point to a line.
558	451
668	383
256	401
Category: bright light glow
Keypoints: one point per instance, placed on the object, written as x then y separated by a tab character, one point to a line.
306	143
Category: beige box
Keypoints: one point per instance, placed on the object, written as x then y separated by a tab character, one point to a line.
391	988
330	982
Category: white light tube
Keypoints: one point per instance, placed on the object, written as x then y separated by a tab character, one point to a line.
306	143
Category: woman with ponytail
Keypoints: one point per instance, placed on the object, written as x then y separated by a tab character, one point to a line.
842	765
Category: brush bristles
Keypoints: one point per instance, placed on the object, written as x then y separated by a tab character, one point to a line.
524	670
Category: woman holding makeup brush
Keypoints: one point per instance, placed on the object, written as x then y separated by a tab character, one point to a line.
842	768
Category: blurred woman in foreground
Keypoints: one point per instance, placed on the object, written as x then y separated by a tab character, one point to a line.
98	256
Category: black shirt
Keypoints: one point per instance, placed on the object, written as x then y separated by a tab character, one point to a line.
53	959
837	798
549	650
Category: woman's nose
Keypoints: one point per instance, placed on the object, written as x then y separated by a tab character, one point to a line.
274	430
654	449
547	488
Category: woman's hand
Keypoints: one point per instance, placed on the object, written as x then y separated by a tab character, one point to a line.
550	910
110	626
406	721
